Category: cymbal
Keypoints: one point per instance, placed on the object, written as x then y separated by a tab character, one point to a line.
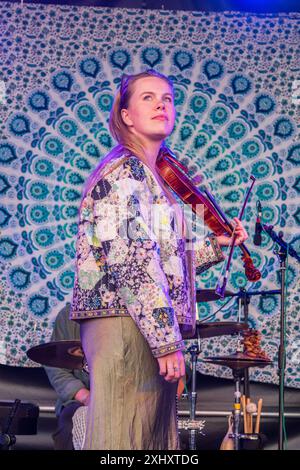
238	361
209	295
65	354
218	328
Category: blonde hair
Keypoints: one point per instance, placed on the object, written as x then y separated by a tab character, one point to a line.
127	142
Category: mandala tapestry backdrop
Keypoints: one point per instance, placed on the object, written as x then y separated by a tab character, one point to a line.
235	77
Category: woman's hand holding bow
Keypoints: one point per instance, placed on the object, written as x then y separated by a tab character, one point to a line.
239	231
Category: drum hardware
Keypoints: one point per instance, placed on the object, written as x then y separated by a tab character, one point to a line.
218	328
185	427
189	424
244	301
204	331
238	362
69	354
192	425
66	354
209	295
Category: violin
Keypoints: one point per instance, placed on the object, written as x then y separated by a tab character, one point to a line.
176	176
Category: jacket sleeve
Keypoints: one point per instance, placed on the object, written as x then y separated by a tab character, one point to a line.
207	253
64	383
123	235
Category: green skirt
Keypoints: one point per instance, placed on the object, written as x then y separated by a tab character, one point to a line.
131	405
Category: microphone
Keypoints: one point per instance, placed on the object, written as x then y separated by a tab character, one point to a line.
257	239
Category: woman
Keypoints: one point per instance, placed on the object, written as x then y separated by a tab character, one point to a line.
134	290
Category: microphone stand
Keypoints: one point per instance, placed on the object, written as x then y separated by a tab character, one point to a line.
282	251
192	425
245	300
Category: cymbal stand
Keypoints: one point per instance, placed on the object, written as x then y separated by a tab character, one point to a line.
236	435
192	425
237	376
244	300
236	409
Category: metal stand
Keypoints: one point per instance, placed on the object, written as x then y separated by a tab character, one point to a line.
236	435
237	409
245	301
281	252
192	425
194	353
282	255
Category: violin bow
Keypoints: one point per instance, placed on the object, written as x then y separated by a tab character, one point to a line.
220	289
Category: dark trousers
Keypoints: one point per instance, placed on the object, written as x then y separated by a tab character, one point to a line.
62	437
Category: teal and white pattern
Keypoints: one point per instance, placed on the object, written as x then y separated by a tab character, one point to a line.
235	78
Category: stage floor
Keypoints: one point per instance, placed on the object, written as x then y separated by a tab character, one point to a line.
214	404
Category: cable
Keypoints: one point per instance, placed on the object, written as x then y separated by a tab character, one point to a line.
285	446
222	306
215	313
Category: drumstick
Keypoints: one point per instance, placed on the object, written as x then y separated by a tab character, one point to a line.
251	408
259	408
243	401
248	416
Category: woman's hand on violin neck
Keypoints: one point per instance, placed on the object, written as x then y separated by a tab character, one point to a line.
172	366
239	231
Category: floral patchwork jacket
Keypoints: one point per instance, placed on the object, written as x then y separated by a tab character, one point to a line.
128	265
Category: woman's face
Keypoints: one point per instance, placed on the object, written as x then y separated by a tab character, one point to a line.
150	114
